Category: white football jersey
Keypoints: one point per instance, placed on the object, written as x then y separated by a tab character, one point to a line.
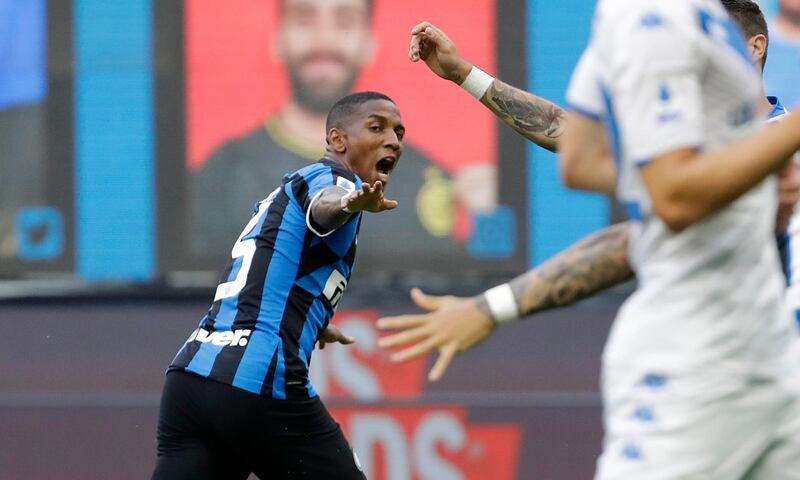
790	243
667	75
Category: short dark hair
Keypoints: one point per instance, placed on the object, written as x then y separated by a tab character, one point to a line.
750	18
347	105
370	7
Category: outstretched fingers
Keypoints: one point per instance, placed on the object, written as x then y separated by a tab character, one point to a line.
446	356
425	301
426	346
405	337
390	204
401	322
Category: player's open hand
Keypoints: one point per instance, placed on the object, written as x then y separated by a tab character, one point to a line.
332	334
438	52
369	198
453	325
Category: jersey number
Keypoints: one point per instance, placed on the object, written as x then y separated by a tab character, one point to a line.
245	248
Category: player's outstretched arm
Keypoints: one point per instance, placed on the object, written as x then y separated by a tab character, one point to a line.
686	186
535	118
454	324
333	207
585	158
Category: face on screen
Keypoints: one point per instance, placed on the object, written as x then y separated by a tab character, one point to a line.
791	7
324	44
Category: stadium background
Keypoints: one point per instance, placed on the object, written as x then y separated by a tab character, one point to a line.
100	111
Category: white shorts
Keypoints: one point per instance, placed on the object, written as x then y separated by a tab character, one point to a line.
667	428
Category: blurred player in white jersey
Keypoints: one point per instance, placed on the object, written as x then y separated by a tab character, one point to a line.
707	399
454	324
700	372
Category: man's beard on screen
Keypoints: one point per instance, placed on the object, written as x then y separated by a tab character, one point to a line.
315	99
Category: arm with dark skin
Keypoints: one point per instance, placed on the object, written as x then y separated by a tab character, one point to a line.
454	324
328	212
537	119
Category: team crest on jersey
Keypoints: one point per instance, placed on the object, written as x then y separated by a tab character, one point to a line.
345	183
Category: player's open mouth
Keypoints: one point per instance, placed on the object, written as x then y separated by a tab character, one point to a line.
385	165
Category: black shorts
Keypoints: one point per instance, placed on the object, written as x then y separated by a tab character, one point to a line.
210	430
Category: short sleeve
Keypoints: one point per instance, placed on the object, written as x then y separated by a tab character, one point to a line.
655	89
583	95
312	184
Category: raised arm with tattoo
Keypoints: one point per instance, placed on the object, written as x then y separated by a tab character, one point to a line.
455	324
535	118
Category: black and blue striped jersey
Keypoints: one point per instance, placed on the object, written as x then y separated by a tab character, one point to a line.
279	291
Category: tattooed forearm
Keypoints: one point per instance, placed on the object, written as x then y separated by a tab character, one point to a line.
535	118
588	267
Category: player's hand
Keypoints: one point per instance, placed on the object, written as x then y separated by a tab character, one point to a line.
332	334
369	199
438	52
453	325
788	195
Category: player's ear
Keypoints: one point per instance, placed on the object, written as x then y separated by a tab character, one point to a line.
758	47
337	139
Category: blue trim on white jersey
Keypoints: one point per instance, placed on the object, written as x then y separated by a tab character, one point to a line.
733	37
613	125
797	318
633	210
585	112
777	108
787	268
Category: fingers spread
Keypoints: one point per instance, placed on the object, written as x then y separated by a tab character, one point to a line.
404	338
417	350
400	322
445	358
390	204
424	301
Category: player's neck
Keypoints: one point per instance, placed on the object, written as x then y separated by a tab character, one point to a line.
788	27
765	107
303	126
333	156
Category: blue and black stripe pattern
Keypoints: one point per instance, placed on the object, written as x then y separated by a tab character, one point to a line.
261	330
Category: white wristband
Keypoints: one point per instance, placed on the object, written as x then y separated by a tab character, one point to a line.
477	82
502	304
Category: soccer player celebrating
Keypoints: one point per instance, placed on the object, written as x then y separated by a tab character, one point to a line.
237	398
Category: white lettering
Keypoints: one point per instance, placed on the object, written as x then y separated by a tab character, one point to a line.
358	379
227	338
438	428
371	431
